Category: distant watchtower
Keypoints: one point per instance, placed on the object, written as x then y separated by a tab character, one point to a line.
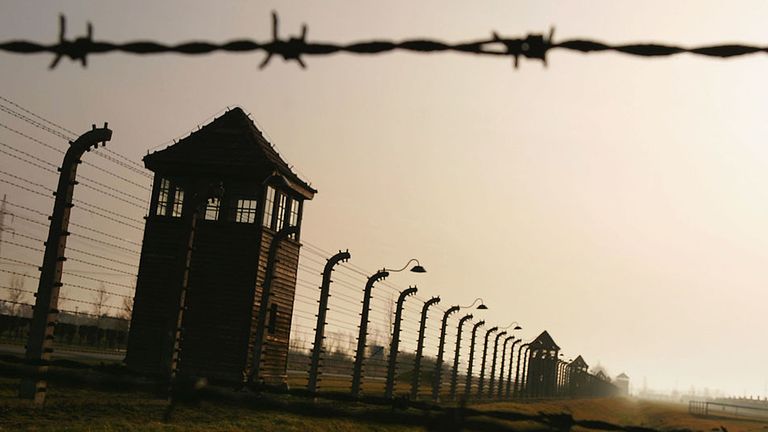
542	366
579	376
232	237
622	384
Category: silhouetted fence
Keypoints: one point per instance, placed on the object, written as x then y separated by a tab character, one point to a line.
421	343
352	333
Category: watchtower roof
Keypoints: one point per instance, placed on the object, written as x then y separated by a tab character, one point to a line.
230	145
622	376
544	341
579	363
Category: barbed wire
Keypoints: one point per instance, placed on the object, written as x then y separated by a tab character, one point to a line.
37	116
74	224
532	46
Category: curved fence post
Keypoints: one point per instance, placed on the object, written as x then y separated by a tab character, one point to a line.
493	363
46	310
456	352
325	293
525	370
501	370
437	379
481	382
420	347
518	384
394	346
357	372
468	386
509	373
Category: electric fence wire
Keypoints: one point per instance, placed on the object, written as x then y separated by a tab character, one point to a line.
68	136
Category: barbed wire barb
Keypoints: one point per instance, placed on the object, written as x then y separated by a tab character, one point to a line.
290	49
75	50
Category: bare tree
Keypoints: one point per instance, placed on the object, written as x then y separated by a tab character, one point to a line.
331	342
15	294
127	310
100	300
298	341
351	344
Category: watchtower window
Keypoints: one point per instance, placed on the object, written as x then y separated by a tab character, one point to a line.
163	197
212	209
293	218
245	212
268	207
170	199
282	201
178	202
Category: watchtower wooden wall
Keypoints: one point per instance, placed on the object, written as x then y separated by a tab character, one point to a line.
232	239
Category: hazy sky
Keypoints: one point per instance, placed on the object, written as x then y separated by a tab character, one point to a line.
618	202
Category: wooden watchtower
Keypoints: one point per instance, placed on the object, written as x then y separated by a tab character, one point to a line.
622	384
232	237
579	376
542	366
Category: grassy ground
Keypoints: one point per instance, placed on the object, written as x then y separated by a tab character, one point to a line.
104	398
649	414
77	409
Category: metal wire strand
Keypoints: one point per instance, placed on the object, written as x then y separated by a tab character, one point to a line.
532	46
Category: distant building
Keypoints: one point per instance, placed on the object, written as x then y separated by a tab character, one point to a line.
232	238
622	383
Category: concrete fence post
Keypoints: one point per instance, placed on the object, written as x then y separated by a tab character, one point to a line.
325	294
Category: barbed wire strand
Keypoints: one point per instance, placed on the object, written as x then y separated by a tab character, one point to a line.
74	224
532	46
69	136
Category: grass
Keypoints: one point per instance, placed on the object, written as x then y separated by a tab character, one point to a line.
77	409
634	412
105	399
84	409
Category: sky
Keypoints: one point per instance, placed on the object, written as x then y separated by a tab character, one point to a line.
617	202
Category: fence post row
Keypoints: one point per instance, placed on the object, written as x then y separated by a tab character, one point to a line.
440	351
45	313
456	352
394	345
501	370
525	369
420	347
325	293
468	386
518	385
261	324
563	376
493	363
362	336
481	382
509	372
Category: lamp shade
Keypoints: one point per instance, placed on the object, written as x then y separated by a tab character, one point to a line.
418	269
